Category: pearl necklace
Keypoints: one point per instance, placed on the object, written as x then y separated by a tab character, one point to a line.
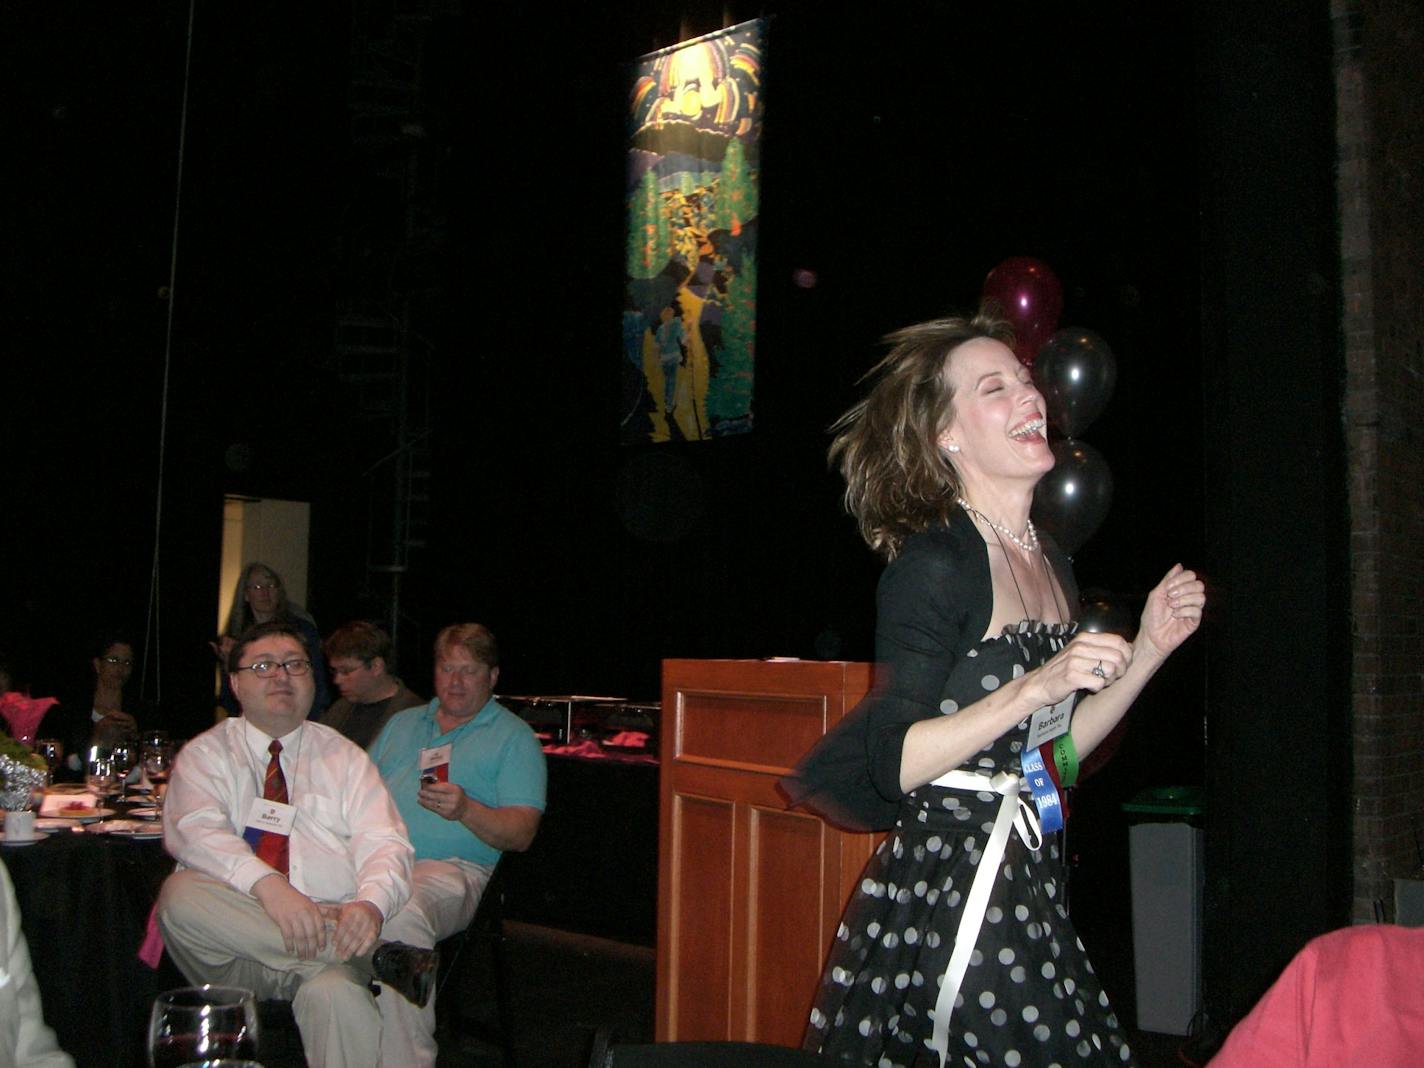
1028	543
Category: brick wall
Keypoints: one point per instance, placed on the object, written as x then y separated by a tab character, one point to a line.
1380	131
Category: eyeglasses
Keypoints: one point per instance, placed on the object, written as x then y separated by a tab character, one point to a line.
463	671
265	669
125	660
258	587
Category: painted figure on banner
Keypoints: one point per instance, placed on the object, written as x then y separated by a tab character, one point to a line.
695	127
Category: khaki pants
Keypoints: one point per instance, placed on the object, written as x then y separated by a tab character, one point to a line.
444	896
217	935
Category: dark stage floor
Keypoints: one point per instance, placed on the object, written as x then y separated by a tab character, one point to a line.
567	986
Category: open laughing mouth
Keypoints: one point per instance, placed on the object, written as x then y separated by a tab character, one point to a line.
1029	429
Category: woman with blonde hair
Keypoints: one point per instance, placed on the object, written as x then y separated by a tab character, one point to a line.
957	945
261	597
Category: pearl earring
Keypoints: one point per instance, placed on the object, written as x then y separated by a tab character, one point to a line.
951	447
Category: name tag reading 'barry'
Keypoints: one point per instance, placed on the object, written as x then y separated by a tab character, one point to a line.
435	763
271	816
1048	723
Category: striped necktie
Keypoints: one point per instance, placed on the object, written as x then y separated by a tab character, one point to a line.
272	847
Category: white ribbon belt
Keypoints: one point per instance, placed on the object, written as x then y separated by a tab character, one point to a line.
1013	812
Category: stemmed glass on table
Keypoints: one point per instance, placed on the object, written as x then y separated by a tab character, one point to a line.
124	754
157	763
52	749
99	774
202	1023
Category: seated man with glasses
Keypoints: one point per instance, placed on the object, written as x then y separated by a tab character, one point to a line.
291	858
360	657
468	777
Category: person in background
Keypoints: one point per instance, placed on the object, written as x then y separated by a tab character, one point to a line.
113	665
25	1040
361	660
468	777
260	597
101	714
291	858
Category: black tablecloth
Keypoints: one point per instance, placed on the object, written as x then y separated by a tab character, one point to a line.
84	902
593	866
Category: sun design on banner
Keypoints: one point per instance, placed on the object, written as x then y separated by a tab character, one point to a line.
689	311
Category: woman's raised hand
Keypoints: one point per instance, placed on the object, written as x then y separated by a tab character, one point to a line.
1089	662
1173	610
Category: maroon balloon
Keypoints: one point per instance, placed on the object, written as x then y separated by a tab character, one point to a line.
1030	297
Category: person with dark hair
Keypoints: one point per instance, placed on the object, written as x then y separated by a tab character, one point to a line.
956	944
96	711
468	777
362	666
292	859
261	597
113	664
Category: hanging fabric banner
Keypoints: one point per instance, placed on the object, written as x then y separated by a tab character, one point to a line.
689	310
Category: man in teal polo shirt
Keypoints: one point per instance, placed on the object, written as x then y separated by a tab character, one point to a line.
468	778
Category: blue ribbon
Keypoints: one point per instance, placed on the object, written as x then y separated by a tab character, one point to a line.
1045	792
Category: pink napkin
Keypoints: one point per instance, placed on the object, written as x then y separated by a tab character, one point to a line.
23	713
151	951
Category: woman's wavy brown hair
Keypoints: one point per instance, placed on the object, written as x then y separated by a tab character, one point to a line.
898	480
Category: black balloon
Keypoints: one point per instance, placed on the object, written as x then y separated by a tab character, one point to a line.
1076	372
1103	612
1072	500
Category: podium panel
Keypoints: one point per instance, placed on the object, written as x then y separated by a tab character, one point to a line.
749	893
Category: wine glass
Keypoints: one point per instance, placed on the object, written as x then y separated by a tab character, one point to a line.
124	754
99	775
202	1023
52	749
157	763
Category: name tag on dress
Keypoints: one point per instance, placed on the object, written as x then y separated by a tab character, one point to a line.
435	761
271	816
1048	723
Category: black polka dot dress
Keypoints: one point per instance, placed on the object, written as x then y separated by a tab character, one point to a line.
1029	996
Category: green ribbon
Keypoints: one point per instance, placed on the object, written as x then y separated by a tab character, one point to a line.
1065	758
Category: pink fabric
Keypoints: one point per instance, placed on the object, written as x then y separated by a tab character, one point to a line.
591	750
23	713
150	951
1350	997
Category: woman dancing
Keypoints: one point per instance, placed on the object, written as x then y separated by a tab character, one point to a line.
956	948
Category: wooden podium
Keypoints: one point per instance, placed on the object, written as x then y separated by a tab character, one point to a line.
749	893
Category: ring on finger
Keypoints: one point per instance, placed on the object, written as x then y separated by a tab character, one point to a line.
1099	672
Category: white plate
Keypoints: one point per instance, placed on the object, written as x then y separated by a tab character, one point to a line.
128	829
54	823
38	836
145	813
83	815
